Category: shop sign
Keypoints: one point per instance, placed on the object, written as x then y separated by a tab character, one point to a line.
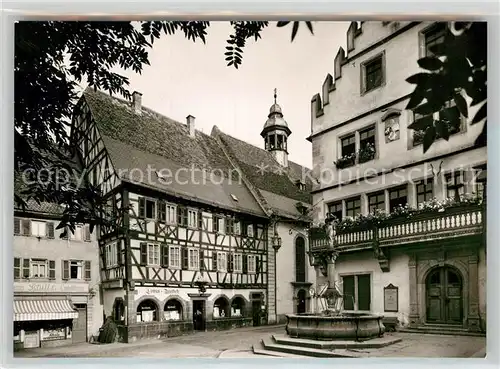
156	291
54	334
51	287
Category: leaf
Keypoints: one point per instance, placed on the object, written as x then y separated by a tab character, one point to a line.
461	104
421	124
429	137
426	109
420	79
480	115
295	29
442	129
416	98
430	63
310	26
282	23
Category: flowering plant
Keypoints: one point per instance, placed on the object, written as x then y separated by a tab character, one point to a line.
346	161
366	153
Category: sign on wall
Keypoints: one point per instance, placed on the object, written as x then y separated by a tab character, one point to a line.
51	287
54	334
155	291
391	298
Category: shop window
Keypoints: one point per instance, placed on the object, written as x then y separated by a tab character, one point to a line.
147	311
173	310
237	307
221	308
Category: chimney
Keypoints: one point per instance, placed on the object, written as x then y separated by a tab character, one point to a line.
190	124
137	102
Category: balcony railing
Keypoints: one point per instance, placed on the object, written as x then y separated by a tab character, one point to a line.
452	222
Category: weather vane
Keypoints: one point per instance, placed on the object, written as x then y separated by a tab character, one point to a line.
275	94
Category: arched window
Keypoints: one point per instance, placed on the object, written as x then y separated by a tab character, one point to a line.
173	310
147	311
237	307
300	260
221	308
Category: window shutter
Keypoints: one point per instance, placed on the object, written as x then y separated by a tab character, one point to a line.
164	256
65	269
142	207
244	262
230	263
215	224
88	270
17	268
214	261
26	223
50	229
17	226
103	251
257	264
229	223
26	268
185	258
162	211
86	233
179	215
52	269
144	253
202	261
118	254
185	217
200	220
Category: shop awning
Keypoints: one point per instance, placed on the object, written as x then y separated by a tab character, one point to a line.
27	310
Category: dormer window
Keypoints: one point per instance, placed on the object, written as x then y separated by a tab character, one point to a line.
300	185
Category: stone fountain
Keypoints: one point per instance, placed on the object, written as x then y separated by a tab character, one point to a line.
332	323
329	331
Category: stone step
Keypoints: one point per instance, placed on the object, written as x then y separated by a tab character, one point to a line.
270	345
441	330
259	349
337	344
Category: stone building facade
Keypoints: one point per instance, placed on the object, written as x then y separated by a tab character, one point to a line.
428	269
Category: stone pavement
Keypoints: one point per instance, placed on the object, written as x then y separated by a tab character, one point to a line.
237	343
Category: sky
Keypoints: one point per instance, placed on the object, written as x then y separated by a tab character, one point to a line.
187	78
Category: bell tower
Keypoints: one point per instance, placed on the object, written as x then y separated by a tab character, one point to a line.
275	133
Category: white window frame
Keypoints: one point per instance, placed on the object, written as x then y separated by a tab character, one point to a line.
78	235
192	218
363	66
221	261
193	259
111	250
250	231
251	264
38	263
238	263
221	229
237	227
80	271
174	250
35	228
153	250
170	213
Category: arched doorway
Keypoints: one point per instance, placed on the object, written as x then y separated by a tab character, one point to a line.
301	302
119	310
444	296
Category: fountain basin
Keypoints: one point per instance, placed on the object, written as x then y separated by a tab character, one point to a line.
348	326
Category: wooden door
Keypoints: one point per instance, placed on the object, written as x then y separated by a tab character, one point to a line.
444	296
199	315
301	303
79	333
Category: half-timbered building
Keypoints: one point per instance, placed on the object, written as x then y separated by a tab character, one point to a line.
191	248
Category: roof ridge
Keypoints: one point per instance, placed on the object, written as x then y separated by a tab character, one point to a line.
145	108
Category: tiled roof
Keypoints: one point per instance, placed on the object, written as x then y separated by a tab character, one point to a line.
136	141
264	171
32	206
151	140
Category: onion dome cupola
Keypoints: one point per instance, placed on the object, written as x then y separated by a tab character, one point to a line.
275	133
